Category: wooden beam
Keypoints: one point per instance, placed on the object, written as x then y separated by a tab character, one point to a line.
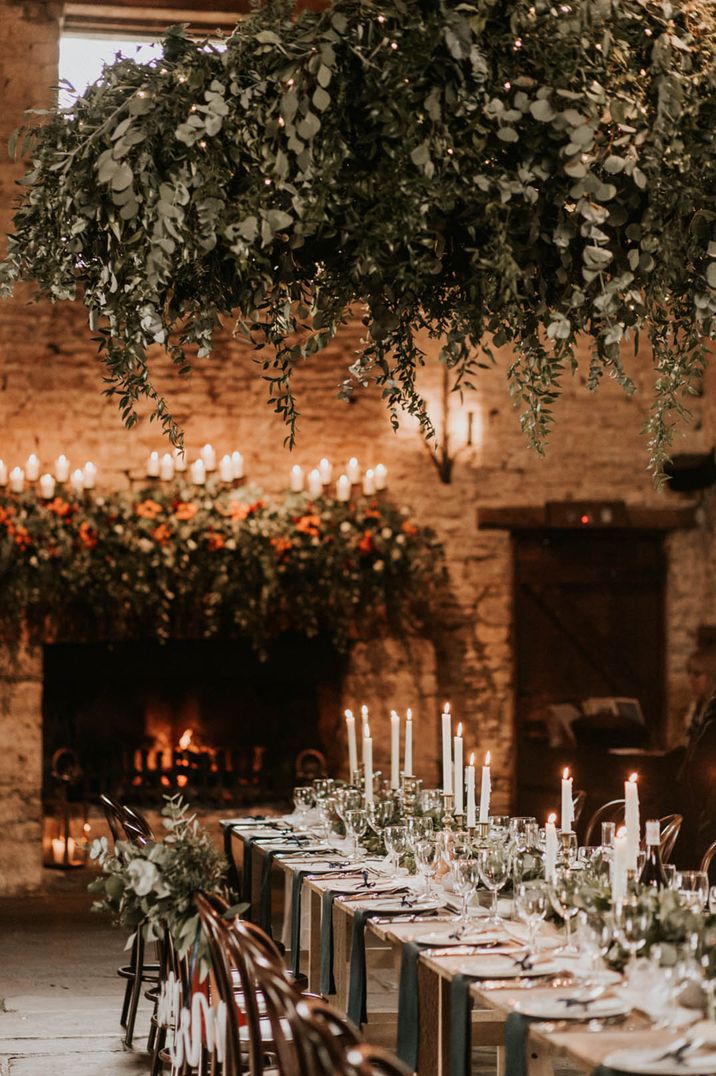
537	517
139	16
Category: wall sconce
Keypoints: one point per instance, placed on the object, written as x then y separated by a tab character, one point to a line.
444	454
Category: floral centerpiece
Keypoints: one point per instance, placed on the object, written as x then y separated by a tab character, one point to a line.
174	562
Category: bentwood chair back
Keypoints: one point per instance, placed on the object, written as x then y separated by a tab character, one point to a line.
367	1060
613	811
215	928
113	813
670	826
708	857
324	1037
136	827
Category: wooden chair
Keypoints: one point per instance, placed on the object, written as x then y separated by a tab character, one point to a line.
708	857
367	1060
612	811
670	826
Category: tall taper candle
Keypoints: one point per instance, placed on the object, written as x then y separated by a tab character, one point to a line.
550	847
368	764
32	468
485	790
296	478
47	487
408	765
62	468
394	750
363	727
620	864
3	473
352	744
631	820
447	753
567	802
470	782
459	772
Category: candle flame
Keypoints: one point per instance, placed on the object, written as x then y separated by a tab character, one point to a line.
446	708
348	713
459	729
552	818
409	714
186	738
364	712
634	777
565	773
472	759
488	758
393	713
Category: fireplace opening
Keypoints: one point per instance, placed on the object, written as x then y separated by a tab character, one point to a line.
205	718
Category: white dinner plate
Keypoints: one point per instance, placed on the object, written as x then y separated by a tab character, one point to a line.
395	905
556	1008
486	966
446	936
644	1063
354	886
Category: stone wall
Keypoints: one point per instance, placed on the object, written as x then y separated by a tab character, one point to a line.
50	401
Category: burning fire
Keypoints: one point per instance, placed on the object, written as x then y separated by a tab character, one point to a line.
185	739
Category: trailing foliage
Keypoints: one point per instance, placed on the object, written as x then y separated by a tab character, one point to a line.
174	562
151	887
495	173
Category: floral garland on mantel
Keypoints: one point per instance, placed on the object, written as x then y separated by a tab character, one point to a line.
172	562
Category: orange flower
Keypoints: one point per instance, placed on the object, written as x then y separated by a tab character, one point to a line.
238	510
58	507
5	514
409	528
365	545
185	510
281	545
148	509
215	541
161	534
87	535
310	525
22	537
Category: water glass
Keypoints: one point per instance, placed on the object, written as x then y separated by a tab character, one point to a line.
346	799
494	866
379	813
466	878
499	825
356	825
563	890
303	800
522	831
417	829
426	860
396	845
694	885
531	900
632	923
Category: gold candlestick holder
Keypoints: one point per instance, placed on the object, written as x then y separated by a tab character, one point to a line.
409	789
448	805
459	821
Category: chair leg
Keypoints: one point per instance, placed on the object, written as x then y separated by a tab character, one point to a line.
136	990
125	1003
160	1042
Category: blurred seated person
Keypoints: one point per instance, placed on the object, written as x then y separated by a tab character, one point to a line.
697	772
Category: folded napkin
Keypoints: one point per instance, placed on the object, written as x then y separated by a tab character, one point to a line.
460	1009
265	906
406	1045
327	983
296	920
233	874
356	1007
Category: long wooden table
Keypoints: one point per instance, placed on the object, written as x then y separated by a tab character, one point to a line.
491	1003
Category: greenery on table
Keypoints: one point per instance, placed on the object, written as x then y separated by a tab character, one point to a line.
175	561
494	173
152	887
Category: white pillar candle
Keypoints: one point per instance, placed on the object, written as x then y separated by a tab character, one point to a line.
459	771
315	486
352	745
485	790
343	489
296	479
208	457
3	473
198	473
470	783
62	468
631	820
368	483
325	470
394	750
620	864
47	487
353	471
166	467
550	847
364	726
408	765
77	481
179	460
567	803
152	468
32	468
226	470
447	753
238	467
17	480
90	474
368	764
381	476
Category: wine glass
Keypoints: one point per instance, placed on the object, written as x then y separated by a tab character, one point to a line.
417	828
303	800
499	825
379	814
694	885
596	934
347	798
356	825
521	831
563	894
466	878
396	845
568	849
531	901
426	860
494	866
632	923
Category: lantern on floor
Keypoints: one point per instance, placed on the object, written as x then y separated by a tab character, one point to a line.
65	826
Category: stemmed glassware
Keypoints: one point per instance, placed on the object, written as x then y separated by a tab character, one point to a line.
563	889
346	799
694	886
466	878
632	923
395	839
426	860
494	867
379	813
303	801
531	902
596	933
417	828
356	825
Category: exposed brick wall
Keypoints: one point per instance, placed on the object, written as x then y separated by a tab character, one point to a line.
50	401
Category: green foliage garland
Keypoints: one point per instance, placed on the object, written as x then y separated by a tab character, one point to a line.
174	562
496	173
